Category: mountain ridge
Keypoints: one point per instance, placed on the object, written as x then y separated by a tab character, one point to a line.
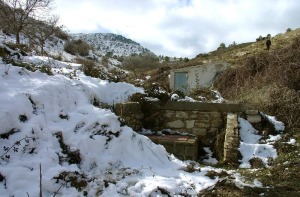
116	44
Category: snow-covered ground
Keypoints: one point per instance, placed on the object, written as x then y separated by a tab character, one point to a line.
251	145
37	106
46	120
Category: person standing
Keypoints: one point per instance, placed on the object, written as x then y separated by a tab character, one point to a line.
268	44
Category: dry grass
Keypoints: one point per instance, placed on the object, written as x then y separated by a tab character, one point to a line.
269	81
281	179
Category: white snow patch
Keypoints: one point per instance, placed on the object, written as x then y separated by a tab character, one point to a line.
250	146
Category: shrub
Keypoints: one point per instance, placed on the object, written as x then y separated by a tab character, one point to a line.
222	45
202	93
4	52
90	68
77	47
267	81
61	34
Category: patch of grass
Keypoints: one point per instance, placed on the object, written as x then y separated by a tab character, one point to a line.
213	174
191	167
74	179
72	157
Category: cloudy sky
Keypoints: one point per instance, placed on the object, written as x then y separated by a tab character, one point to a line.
181	28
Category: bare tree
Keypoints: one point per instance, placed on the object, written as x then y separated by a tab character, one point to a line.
39	31
16	15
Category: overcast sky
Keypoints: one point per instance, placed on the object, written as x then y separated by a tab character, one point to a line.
181	28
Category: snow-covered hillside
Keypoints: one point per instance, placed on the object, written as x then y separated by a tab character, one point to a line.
82	149
108	42
49	121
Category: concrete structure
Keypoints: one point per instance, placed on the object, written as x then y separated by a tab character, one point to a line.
188	78
183	147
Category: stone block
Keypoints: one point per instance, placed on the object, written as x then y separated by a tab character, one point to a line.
218	123
203	116
253	118
182	114
189	124
201	124
169	114
216	115
193	114
177	124
201	132
231	143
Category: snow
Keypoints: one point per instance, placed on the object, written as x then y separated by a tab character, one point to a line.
129	162
251	147
278	125
210	159
114	160
107	42
292	142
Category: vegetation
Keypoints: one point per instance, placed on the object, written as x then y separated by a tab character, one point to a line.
138	64
39	32
269	81
77	47
222	46
90	68
17	15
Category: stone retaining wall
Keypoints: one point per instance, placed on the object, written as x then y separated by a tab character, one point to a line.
131	113
203	120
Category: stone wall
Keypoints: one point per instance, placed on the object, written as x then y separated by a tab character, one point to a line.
204	125
131	113
202	120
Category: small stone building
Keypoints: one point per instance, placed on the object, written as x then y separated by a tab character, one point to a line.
188	78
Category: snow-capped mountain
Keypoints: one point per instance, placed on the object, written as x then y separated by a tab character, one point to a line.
118	45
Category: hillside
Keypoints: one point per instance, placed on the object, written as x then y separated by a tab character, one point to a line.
237	53
118	45
268	80
57	122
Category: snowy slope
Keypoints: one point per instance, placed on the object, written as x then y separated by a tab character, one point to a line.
84	150
108	42
39	112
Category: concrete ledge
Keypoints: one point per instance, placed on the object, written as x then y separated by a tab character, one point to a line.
199	106
183	147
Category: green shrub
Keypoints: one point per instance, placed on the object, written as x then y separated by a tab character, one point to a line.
77	47
61	34
3	52
45	69
90	68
